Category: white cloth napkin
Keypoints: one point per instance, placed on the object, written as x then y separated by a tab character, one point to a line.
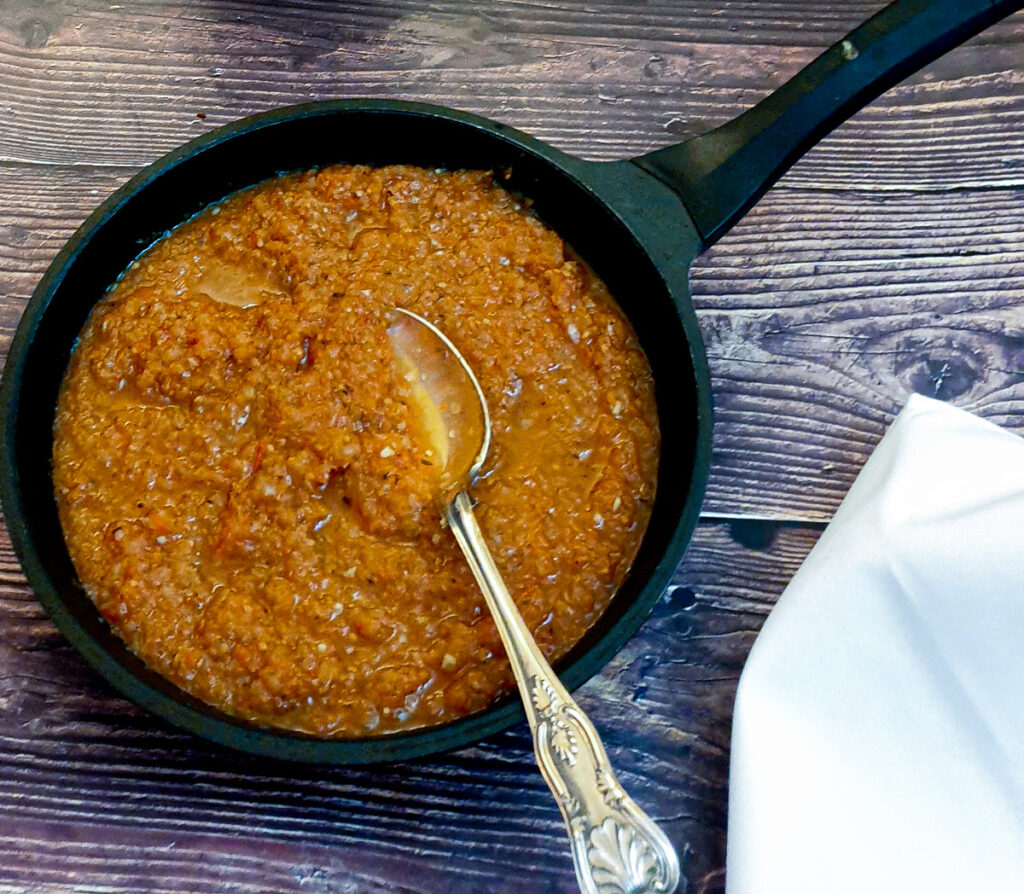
878	735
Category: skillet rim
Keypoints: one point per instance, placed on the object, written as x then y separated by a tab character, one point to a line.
147	689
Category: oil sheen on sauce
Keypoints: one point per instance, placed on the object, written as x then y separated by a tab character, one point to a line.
241	479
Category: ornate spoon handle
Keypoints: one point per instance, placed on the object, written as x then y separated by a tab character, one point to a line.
616	847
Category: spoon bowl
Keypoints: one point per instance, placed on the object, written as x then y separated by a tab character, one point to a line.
448	398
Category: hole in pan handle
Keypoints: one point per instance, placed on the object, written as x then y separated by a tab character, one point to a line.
722	173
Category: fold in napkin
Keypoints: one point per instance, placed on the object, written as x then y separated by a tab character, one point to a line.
878	736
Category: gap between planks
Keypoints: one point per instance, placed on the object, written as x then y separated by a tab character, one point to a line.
804	521
973	186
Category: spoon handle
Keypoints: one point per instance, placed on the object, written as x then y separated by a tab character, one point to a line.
616	847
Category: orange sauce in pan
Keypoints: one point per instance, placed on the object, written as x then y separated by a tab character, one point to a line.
242	485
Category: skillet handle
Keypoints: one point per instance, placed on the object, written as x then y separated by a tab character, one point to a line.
722	173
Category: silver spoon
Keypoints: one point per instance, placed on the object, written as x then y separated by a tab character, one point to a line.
616	847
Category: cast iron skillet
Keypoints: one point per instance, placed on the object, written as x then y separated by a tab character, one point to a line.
639	223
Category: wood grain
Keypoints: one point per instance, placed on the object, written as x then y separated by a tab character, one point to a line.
889	261
822	311
122	87
87	778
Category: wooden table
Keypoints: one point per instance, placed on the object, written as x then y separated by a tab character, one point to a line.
889	261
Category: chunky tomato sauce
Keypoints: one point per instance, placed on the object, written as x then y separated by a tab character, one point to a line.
240	479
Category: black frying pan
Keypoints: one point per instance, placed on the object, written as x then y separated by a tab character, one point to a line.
639	223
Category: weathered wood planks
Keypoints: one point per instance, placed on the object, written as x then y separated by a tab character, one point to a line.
85	777
889	260
822	311
120	87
